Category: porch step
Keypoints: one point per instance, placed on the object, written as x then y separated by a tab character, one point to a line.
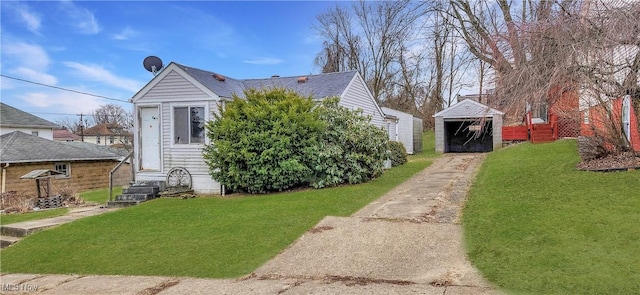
141	190
135	197
137	193
121	204
6	241
542	133
23	229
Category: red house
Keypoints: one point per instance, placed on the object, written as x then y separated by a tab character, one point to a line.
594	118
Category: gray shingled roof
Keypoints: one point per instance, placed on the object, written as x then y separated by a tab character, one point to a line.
19	147
317	86
12	117
467	109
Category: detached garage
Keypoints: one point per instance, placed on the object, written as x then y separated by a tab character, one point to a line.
468	127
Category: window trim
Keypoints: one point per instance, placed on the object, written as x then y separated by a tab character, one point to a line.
189	105
67	172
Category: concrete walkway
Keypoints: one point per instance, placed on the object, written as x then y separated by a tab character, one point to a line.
12	233
407	242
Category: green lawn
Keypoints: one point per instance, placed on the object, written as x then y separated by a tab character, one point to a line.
34	215
536	225
100	196
200	237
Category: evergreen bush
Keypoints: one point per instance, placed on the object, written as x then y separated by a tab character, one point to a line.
264	143
397	153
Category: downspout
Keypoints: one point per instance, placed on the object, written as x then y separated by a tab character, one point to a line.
4	181
4	178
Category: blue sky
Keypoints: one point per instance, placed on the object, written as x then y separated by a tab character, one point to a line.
98	47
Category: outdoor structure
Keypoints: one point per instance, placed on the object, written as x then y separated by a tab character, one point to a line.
81	168
404	128
468	126
12	119
106	134
65	135
594	120
171	110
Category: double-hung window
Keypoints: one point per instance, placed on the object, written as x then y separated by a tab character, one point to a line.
188	125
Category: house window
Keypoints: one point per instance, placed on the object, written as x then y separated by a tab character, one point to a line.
34	133
97	139
111	139
64	168
188	125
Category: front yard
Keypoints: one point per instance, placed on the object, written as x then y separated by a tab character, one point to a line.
536	225
201	237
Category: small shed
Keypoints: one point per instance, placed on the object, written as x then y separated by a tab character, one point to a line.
468	127
404	128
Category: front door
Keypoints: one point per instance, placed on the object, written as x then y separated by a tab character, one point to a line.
626	117
149	138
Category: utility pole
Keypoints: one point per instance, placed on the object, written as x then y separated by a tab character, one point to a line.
81	129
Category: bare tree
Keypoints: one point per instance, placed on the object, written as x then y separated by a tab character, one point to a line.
371	37
543	51
113	114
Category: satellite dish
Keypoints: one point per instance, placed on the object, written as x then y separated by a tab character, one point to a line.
152	63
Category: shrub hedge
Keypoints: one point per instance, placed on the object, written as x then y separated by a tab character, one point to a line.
275	140
398	154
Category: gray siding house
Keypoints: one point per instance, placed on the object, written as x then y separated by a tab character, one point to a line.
171	111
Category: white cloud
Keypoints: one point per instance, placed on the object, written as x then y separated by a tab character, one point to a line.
62	102
81	18
126	34
30	18
263	61
100	74
27	55
35	75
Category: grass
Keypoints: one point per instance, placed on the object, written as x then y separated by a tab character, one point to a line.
201	237
35	215
100	196
536	225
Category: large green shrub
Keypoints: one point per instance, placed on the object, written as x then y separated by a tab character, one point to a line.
398	154
351	149
264	143
275	140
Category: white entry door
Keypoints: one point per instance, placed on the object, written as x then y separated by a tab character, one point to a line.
149	138
626	116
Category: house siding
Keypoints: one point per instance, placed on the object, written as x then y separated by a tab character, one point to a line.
597	118
171	88
85	175
357	97
180	92
42	132
405	128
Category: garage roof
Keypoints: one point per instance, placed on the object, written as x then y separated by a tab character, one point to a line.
468	109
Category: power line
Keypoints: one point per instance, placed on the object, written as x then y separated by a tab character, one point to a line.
65	89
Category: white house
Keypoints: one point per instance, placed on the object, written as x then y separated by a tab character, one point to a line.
12	119
401	126
171	111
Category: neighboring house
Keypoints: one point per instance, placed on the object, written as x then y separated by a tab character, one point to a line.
65	135
83	168
171	110
106	134
404	128
468	126
595	119
12	119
